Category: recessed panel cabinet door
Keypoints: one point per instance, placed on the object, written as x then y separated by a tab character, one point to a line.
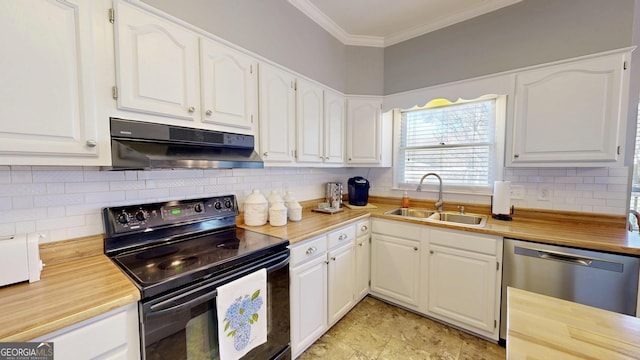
229	86
570	114
395	268
156	65
334	127
309	118
364	131
48	94
277	115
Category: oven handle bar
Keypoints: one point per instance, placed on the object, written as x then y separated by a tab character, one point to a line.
159	309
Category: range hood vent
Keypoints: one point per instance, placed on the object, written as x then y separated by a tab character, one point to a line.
139	145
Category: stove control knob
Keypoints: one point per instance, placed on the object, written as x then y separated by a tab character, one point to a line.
218	205
141	216
198	208
228	204
123	218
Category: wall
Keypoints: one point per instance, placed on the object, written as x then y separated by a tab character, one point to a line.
526	33
65	202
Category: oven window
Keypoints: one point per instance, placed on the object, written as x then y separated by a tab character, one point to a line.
202	342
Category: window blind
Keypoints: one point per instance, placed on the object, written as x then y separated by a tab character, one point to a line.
456	141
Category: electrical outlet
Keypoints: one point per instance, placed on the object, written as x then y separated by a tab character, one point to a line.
544	193
517	192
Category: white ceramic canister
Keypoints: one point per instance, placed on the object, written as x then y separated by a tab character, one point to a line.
294	211
278	214
256	209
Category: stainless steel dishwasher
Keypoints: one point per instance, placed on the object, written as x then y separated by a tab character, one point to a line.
602	280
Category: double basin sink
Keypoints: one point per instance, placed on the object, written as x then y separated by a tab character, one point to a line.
450	217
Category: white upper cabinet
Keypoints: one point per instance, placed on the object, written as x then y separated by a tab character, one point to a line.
570	114
167	70
277	115
157	65
229	81
334	127
367	142
309	119
48	70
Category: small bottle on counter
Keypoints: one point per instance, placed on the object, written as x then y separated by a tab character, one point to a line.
405	200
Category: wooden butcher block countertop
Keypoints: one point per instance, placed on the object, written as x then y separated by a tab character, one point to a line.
77	283
543	327
589	231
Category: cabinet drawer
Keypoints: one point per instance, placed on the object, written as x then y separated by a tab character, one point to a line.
363	228
482	243
308	249
341	236
398	229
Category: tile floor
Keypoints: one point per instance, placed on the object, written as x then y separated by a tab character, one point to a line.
376	330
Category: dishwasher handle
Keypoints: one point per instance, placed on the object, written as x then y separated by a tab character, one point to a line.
569	258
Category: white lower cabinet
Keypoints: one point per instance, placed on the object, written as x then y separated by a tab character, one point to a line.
322	285
363	259
463	281
451	275
395	261
114	335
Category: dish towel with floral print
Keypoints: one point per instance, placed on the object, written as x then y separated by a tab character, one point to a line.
242	315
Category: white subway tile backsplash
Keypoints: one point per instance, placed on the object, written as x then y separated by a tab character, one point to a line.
71	188
619	171
57	176
62	199
20	202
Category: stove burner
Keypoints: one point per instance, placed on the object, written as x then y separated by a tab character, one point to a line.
157	252
230	244
178	264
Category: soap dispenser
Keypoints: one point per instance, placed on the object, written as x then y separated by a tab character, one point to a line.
405	200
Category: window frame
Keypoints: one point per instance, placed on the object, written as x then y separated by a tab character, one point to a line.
499	149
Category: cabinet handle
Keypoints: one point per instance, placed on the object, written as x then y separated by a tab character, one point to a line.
431	252
91	143
364	228
311	250
342	237
516	155
191	109
209	112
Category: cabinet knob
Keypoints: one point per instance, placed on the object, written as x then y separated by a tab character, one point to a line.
91	143
191	109
364	228
342	236
415	248
311	250
265	154
209	112
349	159
431	252
361	244
333	258
516	155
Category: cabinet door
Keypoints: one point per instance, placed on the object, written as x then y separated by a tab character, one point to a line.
395	265
570	113
156	65
229	86
308	303
363	261
341	281
277	115
462	287
363	131
334	127
309	120
48	110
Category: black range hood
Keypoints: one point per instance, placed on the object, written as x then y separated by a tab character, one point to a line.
139	145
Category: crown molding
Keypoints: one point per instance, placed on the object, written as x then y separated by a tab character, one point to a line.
320	18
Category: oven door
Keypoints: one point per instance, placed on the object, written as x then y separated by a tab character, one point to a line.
183	325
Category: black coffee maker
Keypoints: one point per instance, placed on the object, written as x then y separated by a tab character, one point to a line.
358	188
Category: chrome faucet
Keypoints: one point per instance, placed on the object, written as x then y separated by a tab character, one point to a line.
439	202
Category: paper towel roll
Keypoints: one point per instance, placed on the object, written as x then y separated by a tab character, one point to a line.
501	198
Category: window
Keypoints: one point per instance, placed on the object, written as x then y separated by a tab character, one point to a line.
458	141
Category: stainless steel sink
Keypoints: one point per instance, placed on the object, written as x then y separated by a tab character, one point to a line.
459	218
411	212
475	220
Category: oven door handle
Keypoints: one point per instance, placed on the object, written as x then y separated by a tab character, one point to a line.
159	309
